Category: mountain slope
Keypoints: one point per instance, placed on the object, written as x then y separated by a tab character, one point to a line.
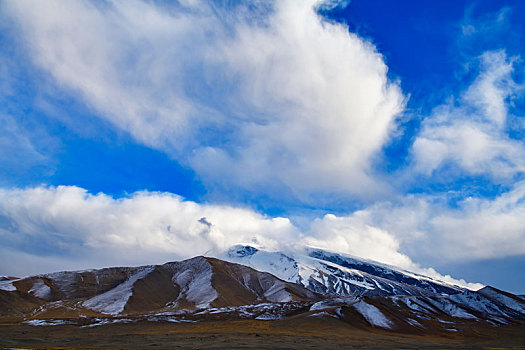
335	274
209	290
186	285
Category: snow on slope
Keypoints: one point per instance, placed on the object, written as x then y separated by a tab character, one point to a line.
479	303
375	270
77	283
278	264
7	285
467	305
41	290
194	277
330	273
196	283
332	302
412	303
372	314
513	303
113	301
449	307
301	269
278	294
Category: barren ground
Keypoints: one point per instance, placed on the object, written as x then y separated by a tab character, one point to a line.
303	333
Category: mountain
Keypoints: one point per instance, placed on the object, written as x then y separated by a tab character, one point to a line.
315	290
186	285
488	306
334	274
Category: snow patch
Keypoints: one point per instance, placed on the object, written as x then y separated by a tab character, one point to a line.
446	322
322	314
41	290
414	323
113	301
7	286
330	303
373	315
413	305
47	322
278	264
240	251
277	293
268	316
320	305
195	282
103	321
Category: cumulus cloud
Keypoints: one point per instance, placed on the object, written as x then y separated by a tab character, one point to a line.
68	219
471	133
65	227
353	235
484	228
268	97
428	229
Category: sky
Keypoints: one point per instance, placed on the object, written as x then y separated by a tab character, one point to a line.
139	132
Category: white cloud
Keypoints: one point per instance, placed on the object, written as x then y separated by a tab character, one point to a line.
65	227
429	229
353	236
483	228
360	235
284	101
472	132
145	225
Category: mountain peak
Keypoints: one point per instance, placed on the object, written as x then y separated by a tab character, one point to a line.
240	251
336	274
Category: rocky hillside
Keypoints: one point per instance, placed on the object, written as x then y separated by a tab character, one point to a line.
340	289
186	285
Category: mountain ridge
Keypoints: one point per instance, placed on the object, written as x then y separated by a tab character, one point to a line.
332	273
189	284
203	289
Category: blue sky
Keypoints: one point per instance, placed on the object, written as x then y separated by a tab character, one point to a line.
388	130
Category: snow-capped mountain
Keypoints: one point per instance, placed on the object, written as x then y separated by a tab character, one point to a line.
315	284
334	274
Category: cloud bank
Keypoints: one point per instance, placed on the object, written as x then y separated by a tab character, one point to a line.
64	227
268	97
